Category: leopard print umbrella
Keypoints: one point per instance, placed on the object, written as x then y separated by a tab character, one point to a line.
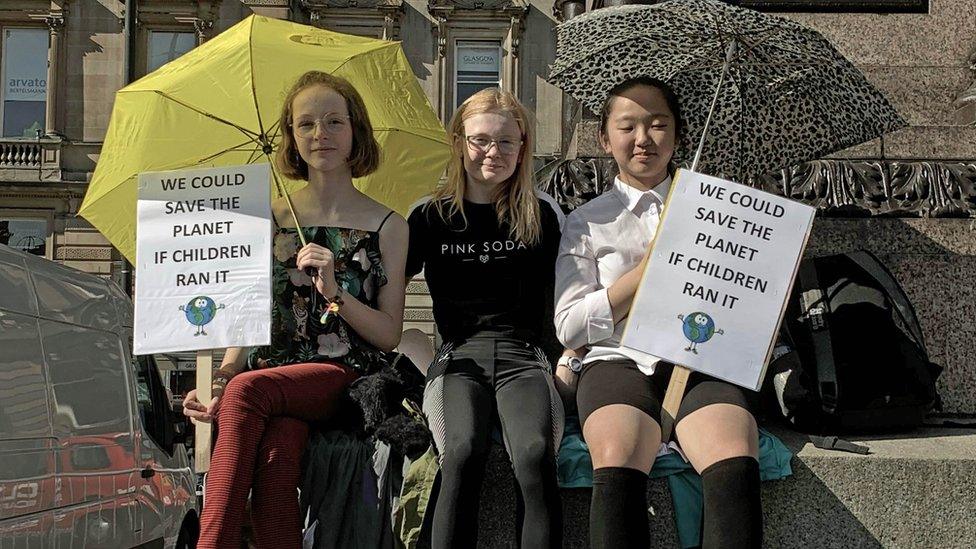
789	95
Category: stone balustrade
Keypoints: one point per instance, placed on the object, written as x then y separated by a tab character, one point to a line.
20	154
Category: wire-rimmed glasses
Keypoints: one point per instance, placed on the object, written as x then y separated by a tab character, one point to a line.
483	143
332	124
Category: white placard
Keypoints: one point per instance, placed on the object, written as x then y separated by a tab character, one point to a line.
203	259
715	287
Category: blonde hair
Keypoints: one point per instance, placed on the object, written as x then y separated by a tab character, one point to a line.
515	200
365	155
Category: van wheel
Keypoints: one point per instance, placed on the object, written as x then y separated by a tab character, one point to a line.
188	536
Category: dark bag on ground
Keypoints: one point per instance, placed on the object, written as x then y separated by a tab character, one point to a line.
858	361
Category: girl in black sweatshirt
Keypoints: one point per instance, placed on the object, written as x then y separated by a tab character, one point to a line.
487	242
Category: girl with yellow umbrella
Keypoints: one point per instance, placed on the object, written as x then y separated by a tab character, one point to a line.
338	306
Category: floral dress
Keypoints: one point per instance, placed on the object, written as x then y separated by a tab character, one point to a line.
299	331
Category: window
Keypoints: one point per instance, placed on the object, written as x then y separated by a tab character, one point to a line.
24	89
477	65
165	46
369	18
153	403
91	458
477	47
87	380
25	233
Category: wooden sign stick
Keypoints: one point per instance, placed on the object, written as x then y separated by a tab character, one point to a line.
679	377
203	430
672	400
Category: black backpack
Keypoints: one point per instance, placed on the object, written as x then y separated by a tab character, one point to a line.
858	361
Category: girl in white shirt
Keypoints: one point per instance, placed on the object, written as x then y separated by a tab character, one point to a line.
605	246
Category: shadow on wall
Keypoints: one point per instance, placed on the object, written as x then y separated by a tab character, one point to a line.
537	50
934	260
420	49
89	28
799	512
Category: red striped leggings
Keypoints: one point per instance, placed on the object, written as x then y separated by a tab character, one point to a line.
262	434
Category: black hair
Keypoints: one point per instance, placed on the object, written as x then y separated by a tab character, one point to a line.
669	96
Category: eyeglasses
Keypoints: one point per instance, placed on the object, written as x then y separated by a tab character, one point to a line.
483	144
333	124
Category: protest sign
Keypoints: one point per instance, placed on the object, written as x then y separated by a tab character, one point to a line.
715	287
203	259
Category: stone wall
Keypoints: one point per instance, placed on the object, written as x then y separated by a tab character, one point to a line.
922	62
934	260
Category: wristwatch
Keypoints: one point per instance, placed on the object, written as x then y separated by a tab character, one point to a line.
574	363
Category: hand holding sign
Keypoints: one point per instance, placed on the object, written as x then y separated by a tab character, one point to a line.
713	293
194	409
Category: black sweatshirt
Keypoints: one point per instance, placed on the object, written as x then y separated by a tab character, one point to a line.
481	279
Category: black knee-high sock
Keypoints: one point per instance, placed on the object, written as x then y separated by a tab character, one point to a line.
733	505
618	510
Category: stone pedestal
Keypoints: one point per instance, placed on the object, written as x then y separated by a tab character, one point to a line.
934	260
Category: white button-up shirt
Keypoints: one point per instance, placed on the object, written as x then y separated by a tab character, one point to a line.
603	240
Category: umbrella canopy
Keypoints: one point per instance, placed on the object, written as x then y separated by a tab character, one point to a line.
219	105
789	95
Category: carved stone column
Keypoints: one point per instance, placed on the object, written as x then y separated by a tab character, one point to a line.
55	22
516	13
392	11
965	102
564	10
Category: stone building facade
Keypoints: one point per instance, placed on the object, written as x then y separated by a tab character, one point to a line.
910	196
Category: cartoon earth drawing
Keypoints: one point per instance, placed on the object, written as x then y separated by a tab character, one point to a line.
200	311
698	327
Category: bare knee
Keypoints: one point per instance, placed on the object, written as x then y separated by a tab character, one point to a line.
416	346
718	432
622	436
620	453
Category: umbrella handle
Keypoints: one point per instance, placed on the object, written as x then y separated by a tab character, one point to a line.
310	271
291	208
729	54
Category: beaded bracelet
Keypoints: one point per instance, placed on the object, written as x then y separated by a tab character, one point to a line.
219	383
334	304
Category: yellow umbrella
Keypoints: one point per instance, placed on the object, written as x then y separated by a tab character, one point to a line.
219	104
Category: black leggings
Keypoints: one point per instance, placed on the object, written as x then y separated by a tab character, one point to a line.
470	386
